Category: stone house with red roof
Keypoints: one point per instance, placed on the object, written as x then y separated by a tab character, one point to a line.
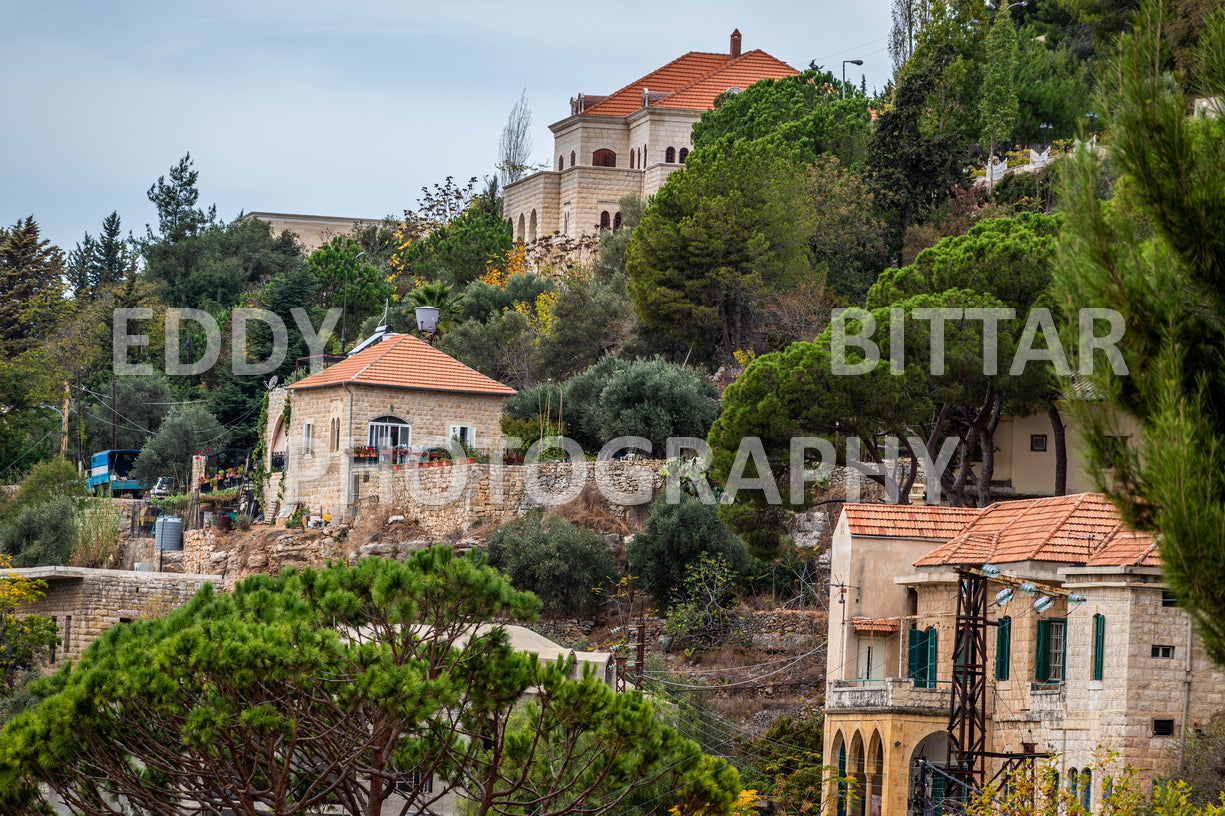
627	142
1082	646
329	433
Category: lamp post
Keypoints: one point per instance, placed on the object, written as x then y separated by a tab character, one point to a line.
344	310
844	62
1044	127
1092	117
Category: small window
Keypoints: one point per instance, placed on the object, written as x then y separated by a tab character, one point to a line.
684	154
1163	728
466	435
125	620
605	220
572	158
66	634
1099	646
561	162
1168	599
921	657
1037	442
334	436
1164	652
308	436
670	155
617	221
633	158
1086	788
604	158
1051	650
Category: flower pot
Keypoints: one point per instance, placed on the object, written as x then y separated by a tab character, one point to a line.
223	521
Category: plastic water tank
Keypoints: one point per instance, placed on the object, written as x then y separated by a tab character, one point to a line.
168	533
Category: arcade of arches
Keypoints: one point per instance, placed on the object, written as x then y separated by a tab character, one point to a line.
877	760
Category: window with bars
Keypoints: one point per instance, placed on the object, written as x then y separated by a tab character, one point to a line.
1051	650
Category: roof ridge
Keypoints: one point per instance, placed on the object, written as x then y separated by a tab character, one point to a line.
1080	499
658	70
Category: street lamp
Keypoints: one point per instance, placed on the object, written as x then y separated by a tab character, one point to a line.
344	310
1044	127
1092	117
844	62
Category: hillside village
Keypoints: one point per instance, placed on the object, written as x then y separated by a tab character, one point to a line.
773	448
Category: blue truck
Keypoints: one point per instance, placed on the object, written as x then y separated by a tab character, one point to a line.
110	472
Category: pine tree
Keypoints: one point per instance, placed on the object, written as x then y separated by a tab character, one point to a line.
31	289
998	104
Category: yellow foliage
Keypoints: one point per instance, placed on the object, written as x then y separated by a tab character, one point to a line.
15	590
539	312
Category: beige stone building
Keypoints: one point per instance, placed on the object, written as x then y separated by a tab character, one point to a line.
627	142
388	403
1095	652
314	231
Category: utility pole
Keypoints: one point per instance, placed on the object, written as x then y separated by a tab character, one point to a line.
64	425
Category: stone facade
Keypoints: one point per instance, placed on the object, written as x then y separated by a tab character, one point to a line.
312	467
87	602
572	199
1155	680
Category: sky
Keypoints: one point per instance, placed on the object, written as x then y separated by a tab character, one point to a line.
320	108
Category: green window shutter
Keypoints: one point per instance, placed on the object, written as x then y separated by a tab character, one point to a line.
1099	645
938	794
842	776
1086	788
916	647
1003	648
931	657
1042	652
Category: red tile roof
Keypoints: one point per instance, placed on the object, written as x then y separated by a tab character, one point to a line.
907	521
1065	529
693	81
403	361
875	625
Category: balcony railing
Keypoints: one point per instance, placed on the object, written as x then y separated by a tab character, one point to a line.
384	456
893	692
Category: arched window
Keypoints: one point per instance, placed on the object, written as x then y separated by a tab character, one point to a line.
605	220
561	163
633	157
389	432
1086	788
603	158
571	158
617	221
670	155
334	435
684	154
519	235
531	228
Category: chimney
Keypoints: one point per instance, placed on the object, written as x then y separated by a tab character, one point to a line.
735	43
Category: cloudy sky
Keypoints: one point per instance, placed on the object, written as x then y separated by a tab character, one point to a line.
316	107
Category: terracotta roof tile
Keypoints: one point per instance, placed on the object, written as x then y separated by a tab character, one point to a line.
403	361
1127	549
907	521
692	81
1065	529
875	624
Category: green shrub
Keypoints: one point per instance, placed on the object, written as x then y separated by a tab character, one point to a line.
656	399
49	480
677	535
704	614
563	564
42	535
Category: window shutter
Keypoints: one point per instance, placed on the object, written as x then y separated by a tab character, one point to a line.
1099	645
916	650
1042	653
931	657
1003	648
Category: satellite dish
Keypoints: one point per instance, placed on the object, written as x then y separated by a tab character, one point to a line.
271	384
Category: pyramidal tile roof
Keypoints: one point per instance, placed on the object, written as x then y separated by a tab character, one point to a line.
907	521
693	81
1079	529
403	361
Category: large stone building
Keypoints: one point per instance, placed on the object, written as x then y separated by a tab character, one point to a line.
1088	649
627	142
389	401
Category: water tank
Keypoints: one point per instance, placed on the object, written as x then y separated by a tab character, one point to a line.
168	533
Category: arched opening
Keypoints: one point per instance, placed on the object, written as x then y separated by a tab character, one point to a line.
520	232
633	158
857	772
617	221
571	158
561	163
670	155
280	444
874	787
531	228
684	154
605	220
603	158
930	791
840	786
389	432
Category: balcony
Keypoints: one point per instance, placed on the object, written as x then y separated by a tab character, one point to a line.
893	692
371	456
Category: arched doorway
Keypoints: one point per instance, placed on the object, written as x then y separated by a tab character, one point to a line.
931	792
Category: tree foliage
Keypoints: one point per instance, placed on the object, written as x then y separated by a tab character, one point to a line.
562	564
677	535
337	687
186	430
25	639
1155	254
31	289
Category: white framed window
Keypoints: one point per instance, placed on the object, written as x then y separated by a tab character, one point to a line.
870	662
389	432
308	437
465	434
